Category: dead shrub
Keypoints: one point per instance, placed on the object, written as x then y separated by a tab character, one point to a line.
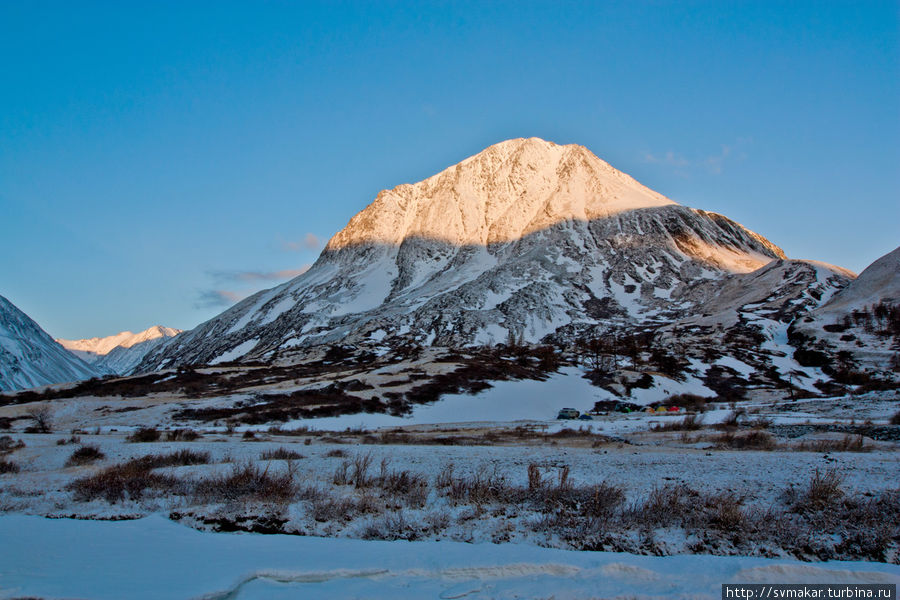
481	487
336	453
359	475
895	420
144	435
391	526
326	508
849	443
689	423
725	511
73	439
752	440
41	418
281	453
412	488
116	483
247	482
85	455
8	444
7	466
535	482
182	435
444	478
823	491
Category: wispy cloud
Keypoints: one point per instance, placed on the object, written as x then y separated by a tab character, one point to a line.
250	276
309	242
669	159
713	163
219	298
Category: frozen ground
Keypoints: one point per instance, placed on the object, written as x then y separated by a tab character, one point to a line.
464	548
156	558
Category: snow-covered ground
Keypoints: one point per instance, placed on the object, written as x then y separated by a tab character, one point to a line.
156	558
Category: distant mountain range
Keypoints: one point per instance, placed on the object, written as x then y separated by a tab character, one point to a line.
119	354
529	242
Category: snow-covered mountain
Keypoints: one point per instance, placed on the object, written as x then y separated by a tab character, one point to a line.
29	357
119	353
527	239
861	320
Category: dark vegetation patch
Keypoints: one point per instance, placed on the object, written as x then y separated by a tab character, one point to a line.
182	435
301	404
7	466
132	479
8	444
85	455
144	434
281	453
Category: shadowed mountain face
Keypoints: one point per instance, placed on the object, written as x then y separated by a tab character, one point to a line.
28	355
526	240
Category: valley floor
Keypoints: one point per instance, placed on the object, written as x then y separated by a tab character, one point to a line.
625	505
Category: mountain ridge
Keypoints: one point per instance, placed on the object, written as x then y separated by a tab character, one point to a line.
523	239
29	357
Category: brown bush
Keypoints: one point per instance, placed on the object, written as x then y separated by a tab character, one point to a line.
752	440
7	466
144	434
689	423
7	444
280	454
247	483
85	455
182	435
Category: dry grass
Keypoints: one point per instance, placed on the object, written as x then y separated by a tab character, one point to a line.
849	443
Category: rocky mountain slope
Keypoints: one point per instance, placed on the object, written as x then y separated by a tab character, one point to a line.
119	354
527	240
28	355
861	324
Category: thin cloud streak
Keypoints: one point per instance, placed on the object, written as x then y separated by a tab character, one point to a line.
249	276
218	298
713	164
309	242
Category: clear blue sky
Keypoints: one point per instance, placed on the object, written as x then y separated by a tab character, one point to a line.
157	159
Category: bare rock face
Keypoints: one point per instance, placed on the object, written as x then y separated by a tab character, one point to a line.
527	240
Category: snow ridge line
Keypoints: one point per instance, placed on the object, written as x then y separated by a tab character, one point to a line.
514	570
